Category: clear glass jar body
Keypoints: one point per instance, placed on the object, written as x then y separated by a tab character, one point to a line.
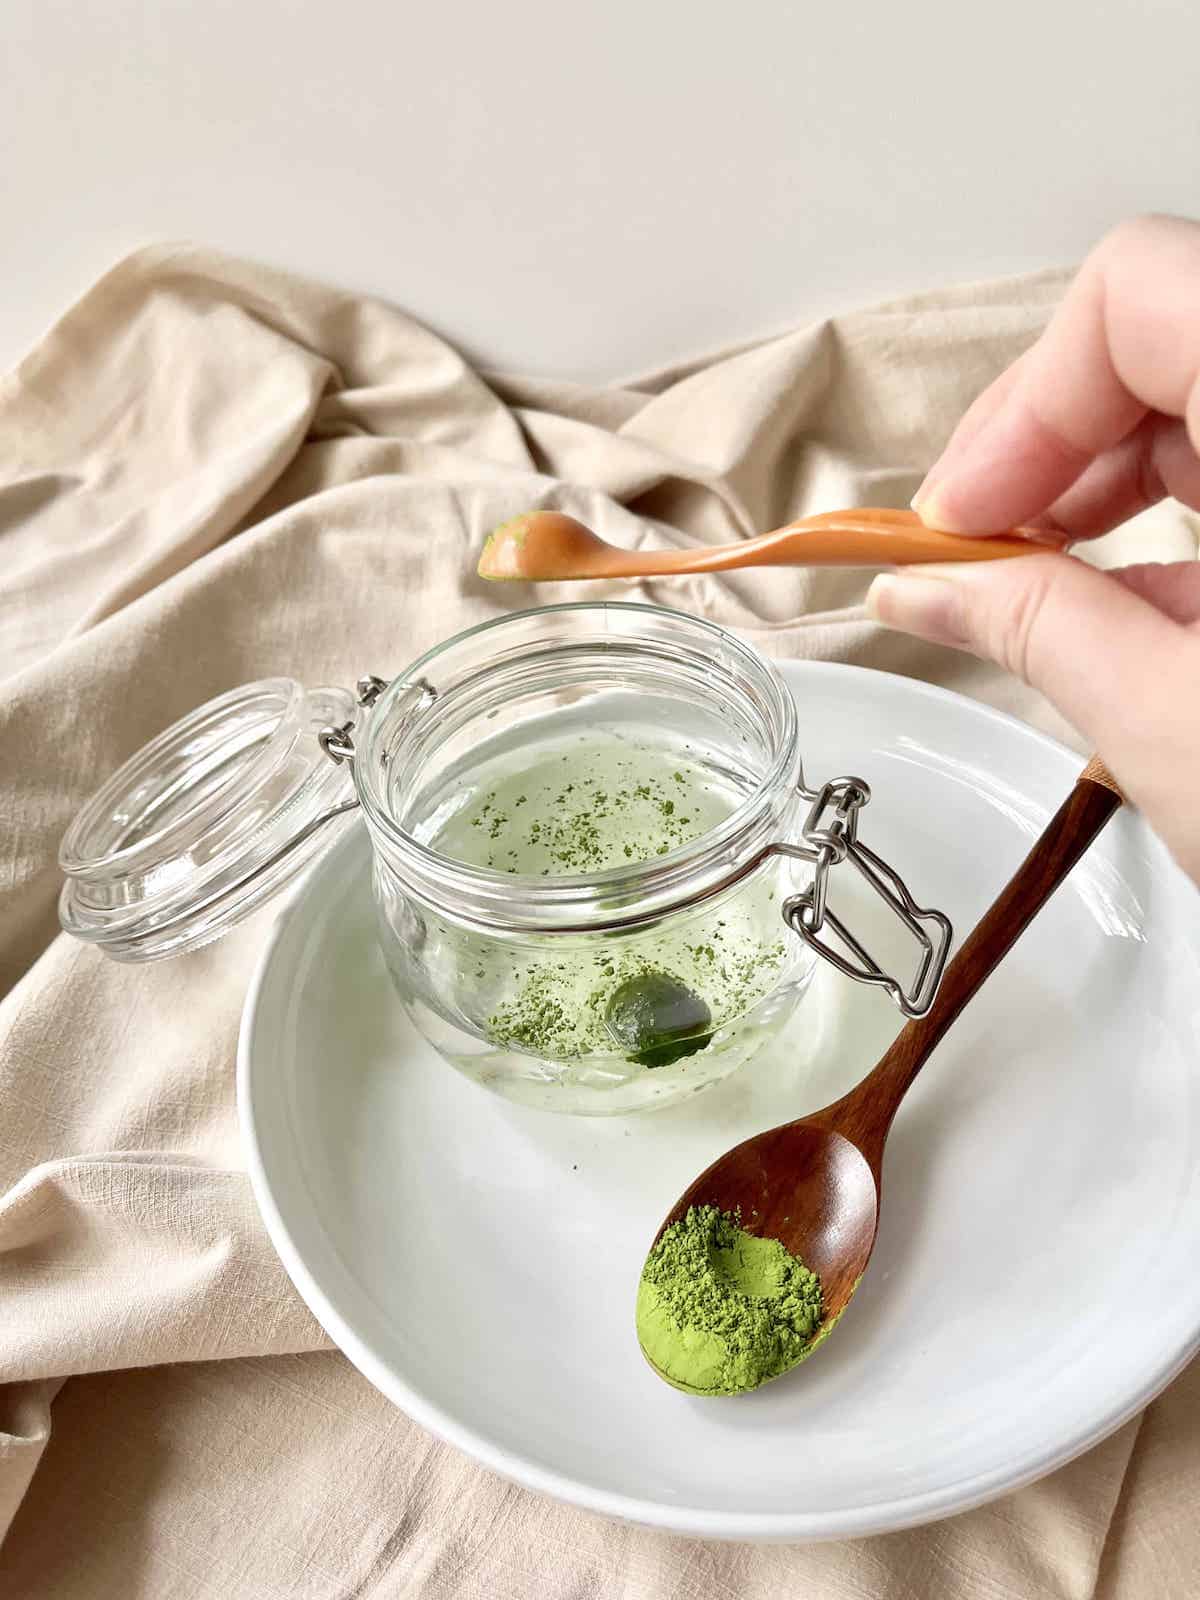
513	976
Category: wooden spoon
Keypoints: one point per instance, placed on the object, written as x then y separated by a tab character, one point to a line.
815	1184
543	546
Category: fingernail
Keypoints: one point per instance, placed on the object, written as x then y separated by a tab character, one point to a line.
930	504
921	600
923	493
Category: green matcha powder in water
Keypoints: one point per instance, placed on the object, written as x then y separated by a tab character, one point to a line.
720	1311
585	805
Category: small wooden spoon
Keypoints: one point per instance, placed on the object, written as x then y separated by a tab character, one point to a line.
544	546
815	1184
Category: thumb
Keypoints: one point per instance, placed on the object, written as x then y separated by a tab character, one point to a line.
1119	670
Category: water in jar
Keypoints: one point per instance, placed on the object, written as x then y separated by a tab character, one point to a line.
571	1022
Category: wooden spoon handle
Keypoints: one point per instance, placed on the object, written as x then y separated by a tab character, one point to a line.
872	1104
859	538
848	540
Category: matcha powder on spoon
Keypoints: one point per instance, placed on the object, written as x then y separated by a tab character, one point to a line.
719	1310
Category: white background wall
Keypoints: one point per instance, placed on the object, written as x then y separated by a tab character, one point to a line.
588	189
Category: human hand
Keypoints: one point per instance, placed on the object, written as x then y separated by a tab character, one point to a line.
1099	419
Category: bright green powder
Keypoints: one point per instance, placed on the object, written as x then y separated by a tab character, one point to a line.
719	1310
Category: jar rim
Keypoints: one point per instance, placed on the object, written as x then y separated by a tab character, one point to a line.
498	898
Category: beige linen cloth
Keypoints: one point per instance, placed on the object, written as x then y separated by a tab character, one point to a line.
209	473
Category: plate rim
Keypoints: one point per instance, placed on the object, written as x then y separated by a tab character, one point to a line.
882	1516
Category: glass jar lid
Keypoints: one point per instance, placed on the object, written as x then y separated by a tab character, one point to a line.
207	821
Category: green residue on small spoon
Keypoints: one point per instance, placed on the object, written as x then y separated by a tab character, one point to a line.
510	535
515	529
720	1310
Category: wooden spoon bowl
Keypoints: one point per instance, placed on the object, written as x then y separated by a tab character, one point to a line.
825	1210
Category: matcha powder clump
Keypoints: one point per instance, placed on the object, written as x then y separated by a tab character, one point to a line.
719	1310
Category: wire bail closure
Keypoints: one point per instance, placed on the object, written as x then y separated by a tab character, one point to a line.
336	741
830	833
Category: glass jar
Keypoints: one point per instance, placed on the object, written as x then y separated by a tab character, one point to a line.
596	887
512	974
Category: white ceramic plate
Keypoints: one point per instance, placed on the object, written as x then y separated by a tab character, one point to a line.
1035	1279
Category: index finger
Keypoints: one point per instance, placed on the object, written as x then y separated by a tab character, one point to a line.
1124	342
